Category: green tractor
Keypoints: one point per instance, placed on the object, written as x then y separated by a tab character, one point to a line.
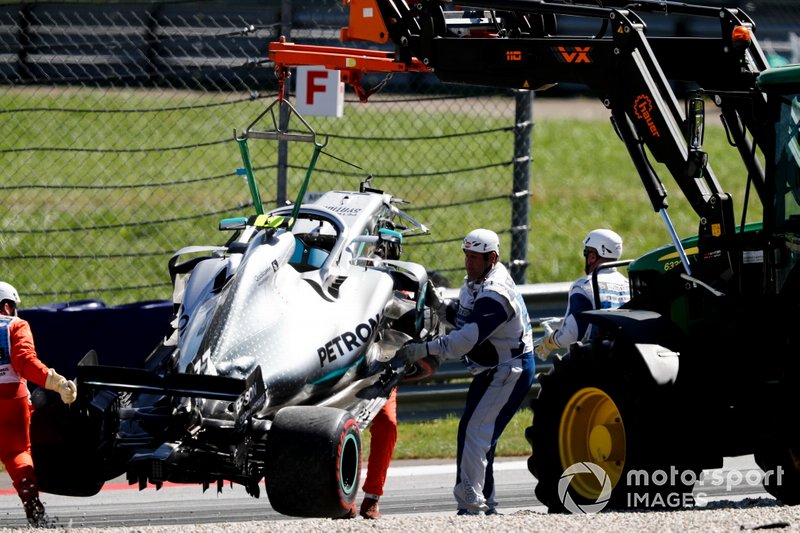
702	363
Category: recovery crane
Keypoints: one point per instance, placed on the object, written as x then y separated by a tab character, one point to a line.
703	362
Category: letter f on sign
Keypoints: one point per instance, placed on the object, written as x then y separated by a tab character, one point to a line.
314	76
320	92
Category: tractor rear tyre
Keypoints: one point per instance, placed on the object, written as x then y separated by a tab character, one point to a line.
778	452
313	463
781	466
603	436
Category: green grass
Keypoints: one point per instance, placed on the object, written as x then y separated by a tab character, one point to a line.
581	178
65	172
436	439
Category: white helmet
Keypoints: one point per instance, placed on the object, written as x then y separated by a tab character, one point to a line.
8	292
607	243
482	241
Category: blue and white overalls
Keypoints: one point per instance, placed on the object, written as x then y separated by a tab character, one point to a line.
614	291
493	338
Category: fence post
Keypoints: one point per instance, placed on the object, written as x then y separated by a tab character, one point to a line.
152	64
24	43
283	114
523	128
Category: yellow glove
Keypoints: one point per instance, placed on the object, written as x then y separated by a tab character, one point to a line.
544	346
64	387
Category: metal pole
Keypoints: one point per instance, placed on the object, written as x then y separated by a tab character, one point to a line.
24	42
283	114
675	240
520	211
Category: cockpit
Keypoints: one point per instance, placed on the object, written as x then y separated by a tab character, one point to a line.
315	238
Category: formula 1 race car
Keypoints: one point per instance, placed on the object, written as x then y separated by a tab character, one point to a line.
281	353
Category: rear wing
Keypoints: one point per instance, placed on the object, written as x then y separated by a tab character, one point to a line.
96	376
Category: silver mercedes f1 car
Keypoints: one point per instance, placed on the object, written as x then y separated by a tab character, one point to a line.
281	352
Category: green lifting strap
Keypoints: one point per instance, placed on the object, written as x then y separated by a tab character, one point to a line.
317	149
279	134
251	179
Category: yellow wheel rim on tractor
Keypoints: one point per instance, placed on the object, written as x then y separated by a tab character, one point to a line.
592	431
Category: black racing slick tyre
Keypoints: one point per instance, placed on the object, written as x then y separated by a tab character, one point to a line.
313	462
72	446
602	437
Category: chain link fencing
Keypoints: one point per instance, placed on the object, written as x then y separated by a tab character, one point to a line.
118	142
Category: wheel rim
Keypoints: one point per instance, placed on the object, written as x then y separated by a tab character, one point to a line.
592	430
349	464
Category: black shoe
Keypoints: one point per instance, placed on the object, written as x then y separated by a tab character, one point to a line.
493	511
34	509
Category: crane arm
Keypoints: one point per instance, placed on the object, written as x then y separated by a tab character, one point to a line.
516	44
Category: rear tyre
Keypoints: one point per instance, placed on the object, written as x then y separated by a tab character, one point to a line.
72	446
313	462
602	436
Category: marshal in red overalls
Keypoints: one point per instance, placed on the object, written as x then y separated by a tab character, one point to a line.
18	365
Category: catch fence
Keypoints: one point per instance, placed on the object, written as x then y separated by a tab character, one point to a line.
117	140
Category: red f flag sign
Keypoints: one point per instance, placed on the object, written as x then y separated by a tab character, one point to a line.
320	92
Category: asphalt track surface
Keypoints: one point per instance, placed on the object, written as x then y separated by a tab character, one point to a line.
418	488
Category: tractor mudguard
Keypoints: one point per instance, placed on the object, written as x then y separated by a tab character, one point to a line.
655	338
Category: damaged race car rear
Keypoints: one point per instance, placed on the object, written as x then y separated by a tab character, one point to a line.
280	353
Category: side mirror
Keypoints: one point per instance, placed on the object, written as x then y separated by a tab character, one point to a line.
384	235
229	224
696	120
